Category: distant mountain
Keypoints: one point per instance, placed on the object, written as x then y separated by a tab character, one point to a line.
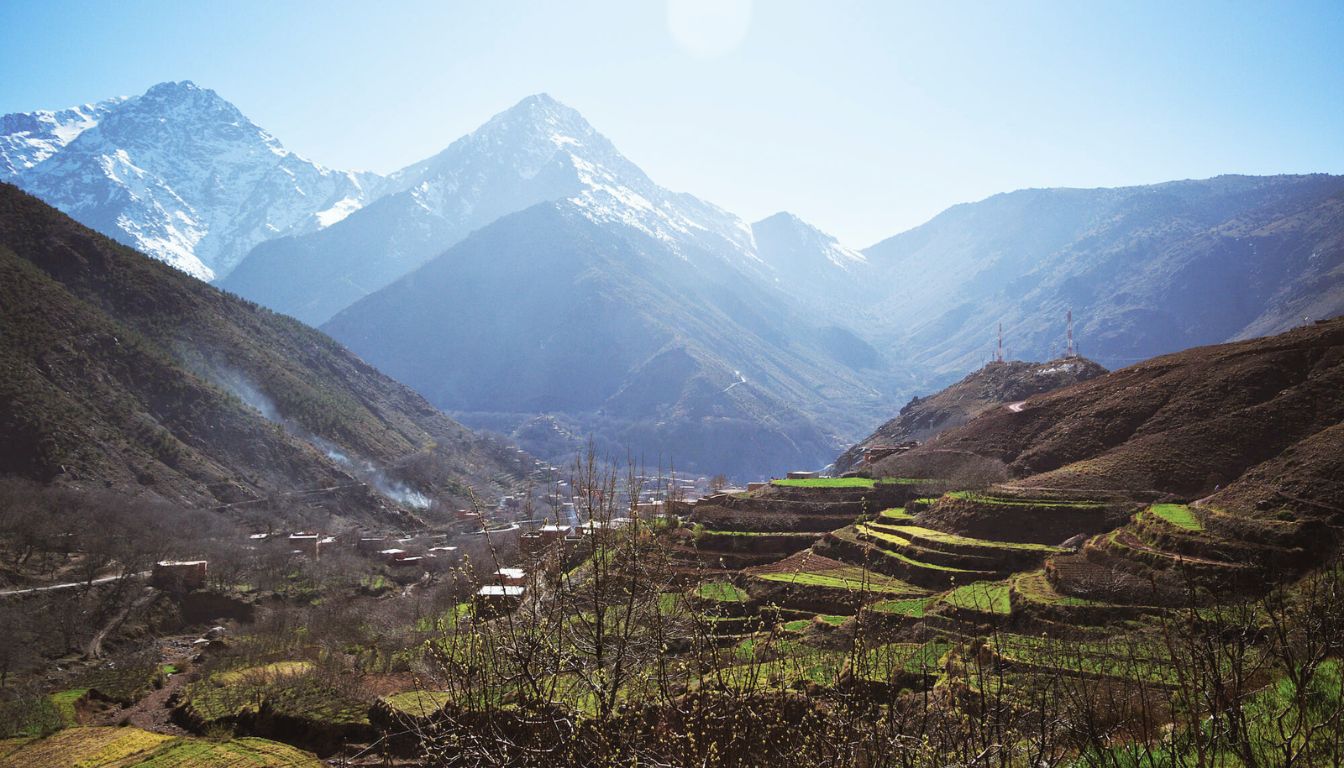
666	347
814	268
997	385
117	370
1146	270
1185	423
178	173
539	150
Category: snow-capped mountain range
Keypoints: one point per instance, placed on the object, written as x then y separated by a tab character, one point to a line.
182	175
178	173
537	151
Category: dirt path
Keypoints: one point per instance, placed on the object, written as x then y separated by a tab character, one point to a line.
1017	407
153	713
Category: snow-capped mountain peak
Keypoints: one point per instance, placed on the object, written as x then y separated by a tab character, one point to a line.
182	174
546	150
28	138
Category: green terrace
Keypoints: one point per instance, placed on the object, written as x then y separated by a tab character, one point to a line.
846	482
982	597
286	687
852	578
801	625
1012	501
882	664
895	514
1179	515
880	535
913	608
721	592
130	747
916	534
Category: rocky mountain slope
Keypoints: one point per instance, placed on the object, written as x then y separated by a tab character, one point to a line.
668	351
997	385
117	370
1186	423
1146	270
178	173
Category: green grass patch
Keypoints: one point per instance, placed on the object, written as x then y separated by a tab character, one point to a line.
418	703
87	748
1179	515
1015	502
1038	589
887	661
826	482
965	541
236	753
985	597
896	514
286	687
65	701
849	579
900	541
721	592
913	608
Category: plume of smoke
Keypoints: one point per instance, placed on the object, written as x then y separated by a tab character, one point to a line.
237	383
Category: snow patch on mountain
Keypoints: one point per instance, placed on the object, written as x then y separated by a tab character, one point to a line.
28	138
179	173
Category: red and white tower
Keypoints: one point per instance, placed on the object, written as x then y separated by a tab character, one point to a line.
999	355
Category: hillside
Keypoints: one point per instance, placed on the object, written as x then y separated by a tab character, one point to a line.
1186	423
995	385
1146	270
667	353
120	371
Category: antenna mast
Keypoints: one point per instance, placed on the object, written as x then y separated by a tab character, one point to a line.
999	356
1071	352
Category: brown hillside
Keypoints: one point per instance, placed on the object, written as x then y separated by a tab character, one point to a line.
1184	423
119	371
992	386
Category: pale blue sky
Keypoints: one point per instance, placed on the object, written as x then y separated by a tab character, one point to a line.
865	118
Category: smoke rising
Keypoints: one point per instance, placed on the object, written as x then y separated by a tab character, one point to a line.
240	386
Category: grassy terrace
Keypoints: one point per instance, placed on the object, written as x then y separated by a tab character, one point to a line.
287	687
1034	587
721	592
885	662
794	534
913	608
418	703
846	482
1179	515
964	541
1015	502
1123	657
985	597
900	541
895	514
852	579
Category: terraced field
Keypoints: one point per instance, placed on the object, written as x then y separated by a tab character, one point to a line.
136	748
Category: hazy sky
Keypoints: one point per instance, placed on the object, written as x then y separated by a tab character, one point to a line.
865	118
